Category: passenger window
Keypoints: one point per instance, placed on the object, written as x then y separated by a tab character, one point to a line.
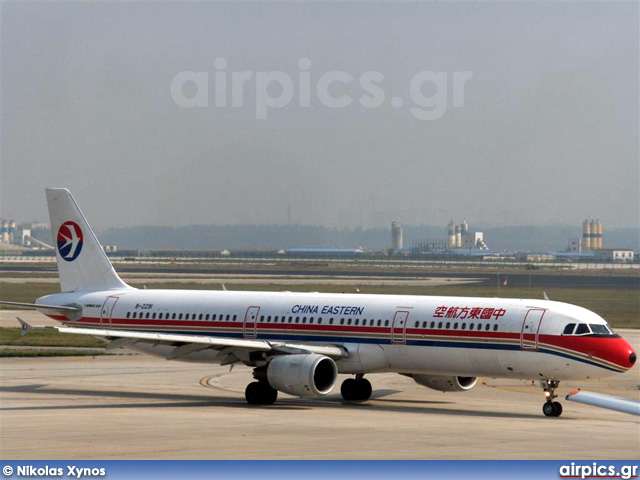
235	317
180	317
582	329
448	325
153	316
331	321
433	324
424	324
416	324
439	324
349	322
134	314
487	327
471	326
464	326
386	323
311	320
297	319
262	318
173	317
495	327
568	330
342	321
160	316
304	319
455	326
128	314
200	317
206	317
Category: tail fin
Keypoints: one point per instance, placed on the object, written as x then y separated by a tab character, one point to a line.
82	264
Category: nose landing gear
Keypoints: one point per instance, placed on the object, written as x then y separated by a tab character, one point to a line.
551	408
356	389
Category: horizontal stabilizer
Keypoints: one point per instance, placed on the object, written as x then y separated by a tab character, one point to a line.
40	306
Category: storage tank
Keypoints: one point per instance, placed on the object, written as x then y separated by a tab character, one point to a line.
586	236
12	230
4	231
458	237
594	235
396	236
451	237
599	223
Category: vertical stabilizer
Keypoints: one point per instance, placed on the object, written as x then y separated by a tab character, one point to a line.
82	264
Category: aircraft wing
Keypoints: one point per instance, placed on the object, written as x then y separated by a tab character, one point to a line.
186	343
605	401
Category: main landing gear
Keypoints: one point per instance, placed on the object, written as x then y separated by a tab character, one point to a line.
356	389
551	408
260	393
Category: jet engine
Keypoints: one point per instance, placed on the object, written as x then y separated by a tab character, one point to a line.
309	375
445	384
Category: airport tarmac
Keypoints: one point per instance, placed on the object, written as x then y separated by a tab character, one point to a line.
138	407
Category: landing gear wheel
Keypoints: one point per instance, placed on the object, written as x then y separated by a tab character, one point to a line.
551	408
349	389
260	393
364	389
547	409
357	390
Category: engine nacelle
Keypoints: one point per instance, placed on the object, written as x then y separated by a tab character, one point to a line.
309	375
446	384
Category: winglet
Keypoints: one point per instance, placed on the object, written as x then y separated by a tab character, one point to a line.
224	287
545	296
24	327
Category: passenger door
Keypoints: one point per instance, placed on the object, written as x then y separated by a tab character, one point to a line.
250	329
399	327
531	328
107	311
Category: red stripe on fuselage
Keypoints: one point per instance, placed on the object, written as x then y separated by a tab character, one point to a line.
611	349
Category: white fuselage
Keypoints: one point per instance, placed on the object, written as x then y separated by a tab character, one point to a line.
493	337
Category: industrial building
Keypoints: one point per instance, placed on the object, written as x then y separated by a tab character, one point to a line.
459	237
615	255
592	238
20	235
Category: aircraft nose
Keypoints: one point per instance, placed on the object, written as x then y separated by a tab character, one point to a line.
632	358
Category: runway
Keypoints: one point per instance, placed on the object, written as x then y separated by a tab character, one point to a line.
138	407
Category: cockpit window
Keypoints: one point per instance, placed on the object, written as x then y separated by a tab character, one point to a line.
600	329
568	330
582	329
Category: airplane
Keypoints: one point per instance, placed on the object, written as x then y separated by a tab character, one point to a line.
298	343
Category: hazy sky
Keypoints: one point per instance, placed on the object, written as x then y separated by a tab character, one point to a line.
548	132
